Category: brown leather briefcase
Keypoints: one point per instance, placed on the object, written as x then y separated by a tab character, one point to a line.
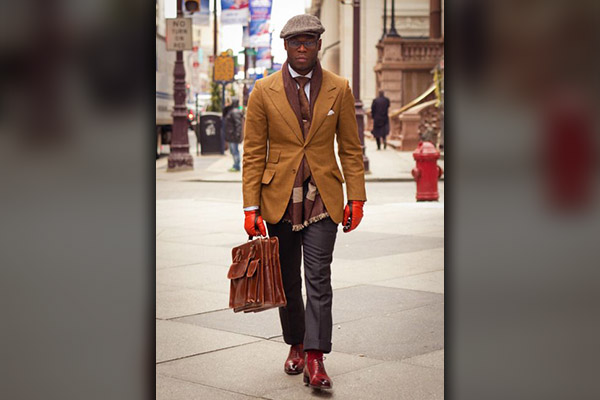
255	275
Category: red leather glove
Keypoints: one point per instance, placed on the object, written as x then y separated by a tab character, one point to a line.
254	224
353	214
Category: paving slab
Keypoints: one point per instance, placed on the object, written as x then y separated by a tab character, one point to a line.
389	267
420	228
182	302
426	225
175	340
428	282
379	193
177	232
176	389
264	324
399	335
163	263
390	244
403	213
390	380
173	190
195	211
358	302
179	253
193	253
221	239
253	369
192	276
219	286
435	359
165	288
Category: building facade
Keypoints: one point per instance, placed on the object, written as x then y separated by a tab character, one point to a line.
411	21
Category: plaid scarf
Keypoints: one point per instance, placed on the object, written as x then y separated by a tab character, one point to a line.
305	205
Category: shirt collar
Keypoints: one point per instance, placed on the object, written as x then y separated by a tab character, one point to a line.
295	74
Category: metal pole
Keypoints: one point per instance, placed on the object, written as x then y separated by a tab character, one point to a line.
223	97
197	131
223	117
215	29
180	158
393	31
245	90
384	20
358	105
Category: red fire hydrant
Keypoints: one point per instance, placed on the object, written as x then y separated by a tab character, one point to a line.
427	172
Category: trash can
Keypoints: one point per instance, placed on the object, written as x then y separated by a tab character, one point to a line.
211	138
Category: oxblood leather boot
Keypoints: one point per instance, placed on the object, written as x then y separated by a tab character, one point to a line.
294	364
315	375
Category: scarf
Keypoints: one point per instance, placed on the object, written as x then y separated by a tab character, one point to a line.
305	205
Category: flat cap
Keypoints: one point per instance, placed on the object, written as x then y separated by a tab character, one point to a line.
303	24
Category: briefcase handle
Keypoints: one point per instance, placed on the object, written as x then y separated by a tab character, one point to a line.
250	237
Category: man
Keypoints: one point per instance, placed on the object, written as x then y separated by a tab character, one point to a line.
292	180
233	133
381	120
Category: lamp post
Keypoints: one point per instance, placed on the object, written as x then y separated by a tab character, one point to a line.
393	31
180	158
358	105
384	20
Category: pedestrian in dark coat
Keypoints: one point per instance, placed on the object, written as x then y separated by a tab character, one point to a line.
233	133
381	121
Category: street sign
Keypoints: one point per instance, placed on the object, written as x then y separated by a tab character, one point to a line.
179	34
224	69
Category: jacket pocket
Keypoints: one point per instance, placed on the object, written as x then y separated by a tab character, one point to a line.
274	156
268	176
336	172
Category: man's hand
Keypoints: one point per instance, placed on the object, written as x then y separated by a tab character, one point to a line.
254	224
353	214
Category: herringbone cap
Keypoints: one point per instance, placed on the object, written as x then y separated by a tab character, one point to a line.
303	24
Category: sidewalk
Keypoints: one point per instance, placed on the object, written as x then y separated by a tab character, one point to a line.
388	299
385	166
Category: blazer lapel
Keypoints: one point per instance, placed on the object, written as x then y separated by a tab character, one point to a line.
325	100
280	101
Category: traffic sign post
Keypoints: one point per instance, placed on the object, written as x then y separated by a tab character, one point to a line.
223	73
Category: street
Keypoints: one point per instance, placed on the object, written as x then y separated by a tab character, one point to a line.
388	302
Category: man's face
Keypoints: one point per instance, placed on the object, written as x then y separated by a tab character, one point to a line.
302	52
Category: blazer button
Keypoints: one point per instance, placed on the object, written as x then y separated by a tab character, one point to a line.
293	171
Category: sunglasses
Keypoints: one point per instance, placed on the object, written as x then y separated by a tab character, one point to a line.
294	44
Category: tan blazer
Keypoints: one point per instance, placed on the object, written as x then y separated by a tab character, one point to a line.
274	146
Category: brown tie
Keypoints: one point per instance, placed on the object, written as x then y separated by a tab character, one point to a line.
304	105
305	113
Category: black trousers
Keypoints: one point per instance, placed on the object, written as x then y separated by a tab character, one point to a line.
379	140
314	243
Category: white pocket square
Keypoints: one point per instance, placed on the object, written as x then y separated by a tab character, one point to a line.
330	113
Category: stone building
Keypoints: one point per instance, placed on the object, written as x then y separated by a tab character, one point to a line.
411	22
